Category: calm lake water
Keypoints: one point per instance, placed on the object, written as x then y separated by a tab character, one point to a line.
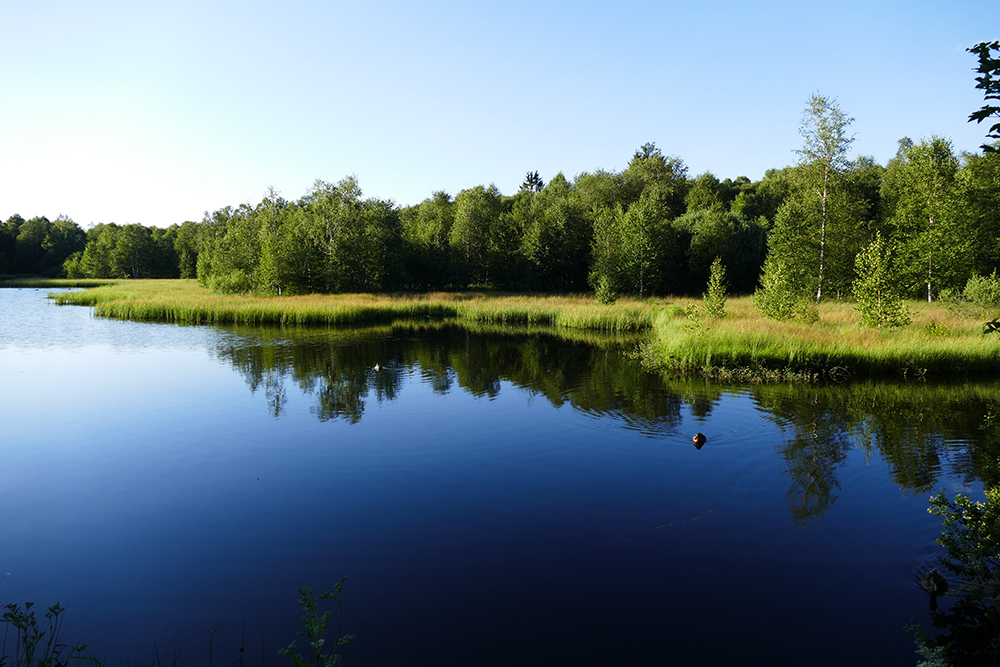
493	499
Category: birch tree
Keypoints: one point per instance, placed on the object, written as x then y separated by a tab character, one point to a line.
824	158
920	185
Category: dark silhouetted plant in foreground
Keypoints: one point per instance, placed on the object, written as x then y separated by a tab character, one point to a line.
34	645
315	626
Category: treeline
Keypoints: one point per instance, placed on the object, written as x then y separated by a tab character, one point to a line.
649	229
63	249
38	246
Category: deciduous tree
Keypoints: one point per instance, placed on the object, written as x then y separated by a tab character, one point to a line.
823	158
989	83
920	188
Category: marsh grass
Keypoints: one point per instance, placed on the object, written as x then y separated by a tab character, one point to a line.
741	347
38	283
185	301
937	342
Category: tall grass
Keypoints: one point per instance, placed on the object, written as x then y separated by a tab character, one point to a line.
186	302
742	346
36	282
838	346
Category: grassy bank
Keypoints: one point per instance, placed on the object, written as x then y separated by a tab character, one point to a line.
744	345
185	302
740	347
36	282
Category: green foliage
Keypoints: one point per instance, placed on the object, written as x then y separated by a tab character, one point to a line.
971	535
632	249
781	295
876	288
922	191
532	182
38	246
979	188
234	282
936	329
35	645
556	236
478	235
989	83
426	230
984	293
126	251
823	159
706	192
933	656
315	626
714	299
605	292
716	233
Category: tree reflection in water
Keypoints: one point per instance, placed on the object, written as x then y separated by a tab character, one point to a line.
336	368
921	430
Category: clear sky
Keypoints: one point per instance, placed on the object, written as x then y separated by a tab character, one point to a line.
155	112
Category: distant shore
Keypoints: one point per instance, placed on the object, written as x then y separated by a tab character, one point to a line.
680	338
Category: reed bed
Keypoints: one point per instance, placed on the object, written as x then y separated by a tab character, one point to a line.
740	347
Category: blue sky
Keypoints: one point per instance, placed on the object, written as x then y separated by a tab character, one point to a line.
157	112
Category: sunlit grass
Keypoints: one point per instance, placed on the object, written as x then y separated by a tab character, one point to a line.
936	342
742	346
36	282
185	301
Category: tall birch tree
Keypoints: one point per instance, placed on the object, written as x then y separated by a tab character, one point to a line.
823	157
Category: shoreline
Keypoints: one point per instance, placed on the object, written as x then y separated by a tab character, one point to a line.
741	347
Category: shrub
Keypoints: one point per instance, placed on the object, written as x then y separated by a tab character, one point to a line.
605	291
714	298
984	293
780	297
234	282
880	302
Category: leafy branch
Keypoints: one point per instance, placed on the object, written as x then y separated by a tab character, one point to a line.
315	626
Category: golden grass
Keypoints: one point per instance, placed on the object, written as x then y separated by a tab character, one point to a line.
742	346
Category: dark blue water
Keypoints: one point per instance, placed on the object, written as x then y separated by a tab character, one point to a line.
493	500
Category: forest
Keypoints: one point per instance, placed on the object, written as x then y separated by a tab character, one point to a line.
920	226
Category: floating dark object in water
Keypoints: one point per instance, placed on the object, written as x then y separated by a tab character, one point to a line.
935	584
699	440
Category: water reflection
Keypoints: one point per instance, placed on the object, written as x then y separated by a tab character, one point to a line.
481	516
921	430
337	368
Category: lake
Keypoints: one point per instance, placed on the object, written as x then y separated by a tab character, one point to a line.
493	497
